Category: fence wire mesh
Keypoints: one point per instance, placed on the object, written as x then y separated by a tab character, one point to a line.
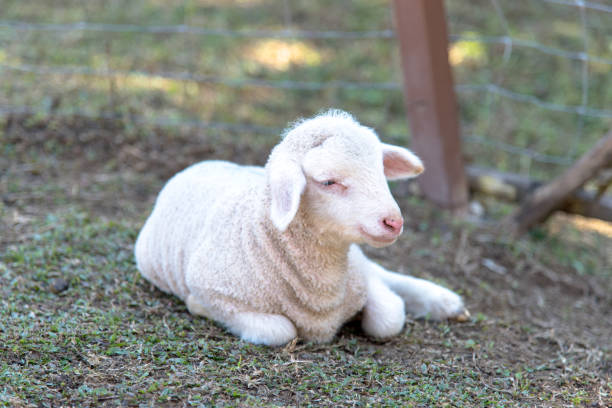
534	78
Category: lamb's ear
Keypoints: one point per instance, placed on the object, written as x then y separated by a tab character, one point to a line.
400	163
287	182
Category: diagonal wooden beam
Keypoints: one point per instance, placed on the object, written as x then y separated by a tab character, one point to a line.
552	196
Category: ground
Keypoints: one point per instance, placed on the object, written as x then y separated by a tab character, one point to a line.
80	327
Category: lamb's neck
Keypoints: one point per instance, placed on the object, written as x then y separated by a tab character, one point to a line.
318	262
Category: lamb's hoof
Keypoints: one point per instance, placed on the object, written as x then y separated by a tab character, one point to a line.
438	303
462	317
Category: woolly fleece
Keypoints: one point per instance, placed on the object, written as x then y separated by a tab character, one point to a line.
269	252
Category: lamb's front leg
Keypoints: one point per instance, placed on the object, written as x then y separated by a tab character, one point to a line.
383	314
422	298
259	328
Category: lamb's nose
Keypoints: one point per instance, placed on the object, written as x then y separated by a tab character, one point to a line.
394	224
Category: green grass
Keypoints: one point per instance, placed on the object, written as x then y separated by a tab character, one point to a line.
109	336
552	79
112	339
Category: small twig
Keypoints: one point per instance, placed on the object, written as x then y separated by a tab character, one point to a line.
107	397
290	347
293	361
460	255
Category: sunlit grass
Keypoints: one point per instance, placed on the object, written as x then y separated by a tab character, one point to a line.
281	55
467	52
587	225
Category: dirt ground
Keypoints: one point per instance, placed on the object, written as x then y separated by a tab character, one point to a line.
540	334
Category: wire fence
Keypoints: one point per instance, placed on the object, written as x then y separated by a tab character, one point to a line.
531	122
580	111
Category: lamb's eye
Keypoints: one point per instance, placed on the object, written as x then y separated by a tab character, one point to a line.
328	183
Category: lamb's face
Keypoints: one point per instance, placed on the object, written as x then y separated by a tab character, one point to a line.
346	189
341	183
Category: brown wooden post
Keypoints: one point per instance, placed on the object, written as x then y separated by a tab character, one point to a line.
430	100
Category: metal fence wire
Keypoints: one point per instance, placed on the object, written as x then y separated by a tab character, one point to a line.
533	78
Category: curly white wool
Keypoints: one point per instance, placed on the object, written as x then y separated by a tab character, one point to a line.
271	252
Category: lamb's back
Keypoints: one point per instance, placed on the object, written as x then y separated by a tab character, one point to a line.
202	202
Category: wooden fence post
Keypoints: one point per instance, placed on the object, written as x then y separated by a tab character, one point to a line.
430	100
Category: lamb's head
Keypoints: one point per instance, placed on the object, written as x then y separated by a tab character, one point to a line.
335	172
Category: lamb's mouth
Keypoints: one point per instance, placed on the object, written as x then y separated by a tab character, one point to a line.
385	240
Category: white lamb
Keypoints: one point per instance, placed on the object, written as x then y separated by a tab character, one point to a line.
271	252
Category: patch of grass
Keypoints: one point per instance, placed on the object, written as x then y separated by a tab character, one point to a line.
112	338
